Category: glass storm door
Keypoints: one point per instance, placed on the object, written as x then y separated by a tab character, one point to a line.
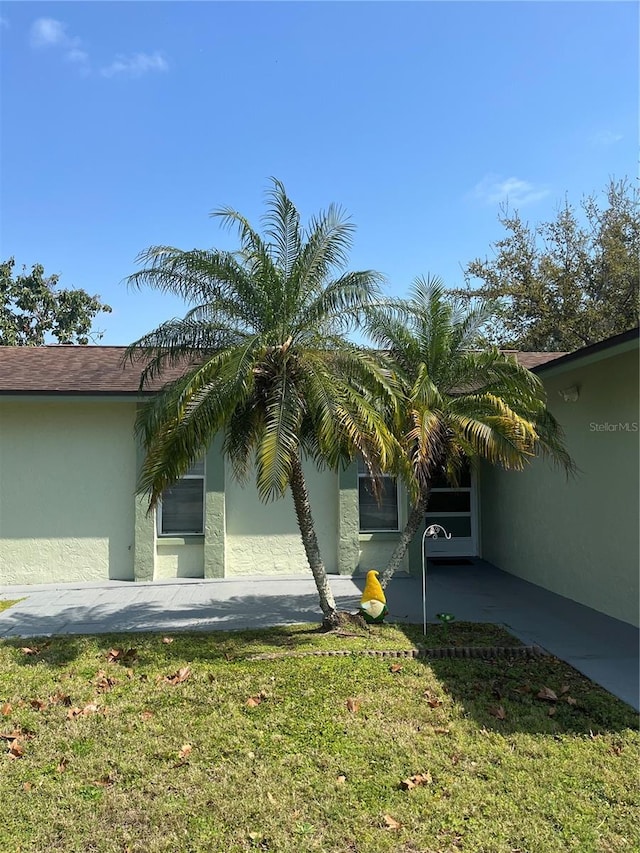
456	510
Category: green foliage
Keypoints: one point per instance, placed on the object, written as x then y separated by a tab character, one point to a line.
31	309
459	403
264	347
567	283
155	766
266	360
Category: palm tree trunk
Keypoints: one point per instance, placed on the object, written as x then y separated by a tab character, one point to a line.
310	542
416	517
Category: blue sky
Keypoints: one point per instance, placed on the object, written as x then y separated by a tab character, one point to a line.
125	124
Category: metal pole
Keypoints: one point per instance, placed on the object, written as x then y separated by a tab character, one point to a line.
424	587
432	532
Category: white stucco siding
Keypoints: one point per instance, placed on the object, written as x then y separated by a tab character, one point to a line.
264	539
67	482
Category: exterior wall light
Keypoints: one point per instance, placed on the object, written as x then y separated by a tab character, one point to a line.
571	394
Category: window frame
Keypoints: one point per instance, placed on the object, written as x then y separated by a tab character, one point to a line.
365	475
203	477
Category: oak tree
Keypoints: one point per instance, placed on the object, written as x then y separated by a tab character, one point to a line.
566	283
33	310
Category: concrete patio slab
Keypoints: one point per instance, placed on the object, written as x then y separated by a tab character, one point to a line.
602	648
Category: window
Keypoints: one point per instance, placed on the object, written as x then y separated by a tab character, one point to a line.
181	510
377	513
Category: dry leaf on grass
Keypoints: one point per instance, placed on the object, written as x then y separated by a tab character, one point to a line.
103	682
499	713
178	677
167	640
27	786
390	822
441	730
254	701
37	704
6	709
185	751
565	688
432	701
60	699
16	733
16	750
571	700
91	708
547	694
62	766
35	650
353	706
416	780
106	780
340	780
395	667
121	655
146	715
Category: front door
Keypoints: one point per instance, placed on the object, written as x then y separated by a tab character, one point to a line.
455	509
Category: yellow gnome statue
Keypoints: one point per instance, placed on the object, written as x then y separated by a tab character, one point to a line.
373	604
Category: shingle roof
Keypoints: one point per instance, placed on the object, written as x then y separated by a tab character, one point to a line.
71	370
601	346
100	370
531	360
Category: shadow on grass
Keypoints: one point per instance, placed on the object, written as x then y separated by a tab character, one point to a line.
506	696
205	631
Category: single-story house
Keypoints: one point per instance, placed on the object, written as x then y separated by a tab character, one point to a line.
69	461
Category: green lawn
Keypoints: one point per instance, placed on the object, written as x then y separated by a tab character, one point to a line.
163	751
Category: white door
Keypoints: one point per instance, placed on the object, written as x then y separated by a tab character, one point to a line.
456	510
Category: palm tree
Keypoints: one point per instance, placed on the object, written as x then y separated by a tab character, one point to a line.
265	361
459	403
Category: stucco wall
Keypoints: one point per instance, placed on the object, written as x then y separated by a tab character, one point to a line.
179	558
67	481
376	550
264	539
577	538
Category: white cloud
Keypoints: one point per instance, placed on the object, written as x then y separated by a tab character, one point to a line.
135	65
605	137
48	31
493	189
76	55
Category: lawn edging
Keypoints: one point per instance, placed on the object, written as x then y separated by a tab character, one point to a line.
484	652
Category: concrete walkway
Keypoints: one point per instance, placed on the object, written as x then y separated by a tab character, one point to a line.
602	648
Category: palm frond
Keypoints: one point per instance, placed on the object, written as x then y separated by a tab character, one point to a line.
177	426
340	305
283	412
282	227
